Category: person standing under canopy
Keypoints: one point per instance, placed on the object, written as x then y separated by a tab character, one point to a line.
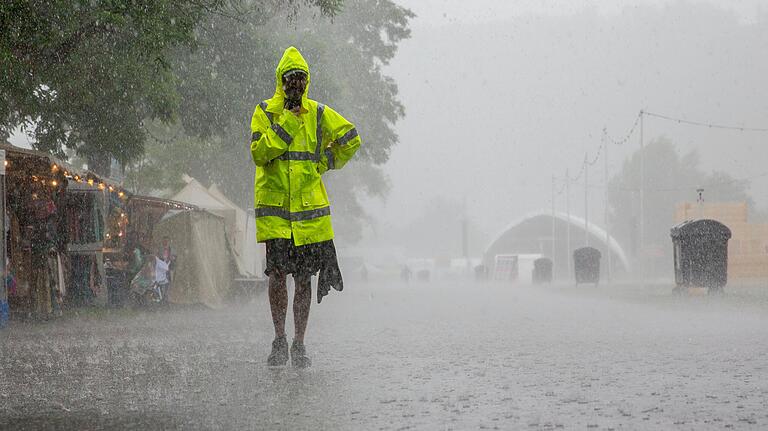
294	141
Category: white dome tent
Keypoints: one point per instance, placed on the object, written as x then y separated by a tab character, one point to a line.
532	234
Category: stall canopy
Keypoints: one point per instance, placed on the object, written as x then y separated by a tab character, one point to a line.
60	220
239	223
205	266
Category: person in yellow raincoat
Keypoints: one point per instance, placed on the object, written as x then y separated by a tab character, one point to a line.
294	141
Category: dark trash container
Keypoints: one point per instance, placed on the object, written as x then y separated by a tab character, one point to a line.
701	254
481	273
422	275
542	270
586	265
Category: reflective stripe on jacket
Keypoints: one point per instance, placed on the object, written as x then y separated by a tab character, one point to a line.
291	152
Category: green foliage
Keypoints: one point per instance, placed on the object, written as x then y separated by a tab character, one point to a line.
86	75
105	78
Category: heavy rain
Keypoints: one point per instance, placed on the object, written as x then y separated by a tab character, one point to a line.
384	214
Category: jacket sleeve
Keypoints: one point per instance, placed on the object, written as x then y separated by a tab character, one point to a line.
268	140
343	138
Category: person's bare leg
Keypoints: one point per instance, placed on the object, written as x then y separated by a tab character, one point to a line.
302	299
278	302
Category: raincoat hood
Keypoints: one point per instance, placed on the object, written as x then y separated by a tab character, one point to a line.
292	59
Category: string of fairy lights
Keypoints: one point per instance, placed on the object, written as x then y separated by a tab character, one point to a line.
703	124
60	170
631	132
162	141
628	135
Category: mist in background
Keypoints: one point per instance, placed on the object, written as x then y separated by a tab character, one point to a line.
499	97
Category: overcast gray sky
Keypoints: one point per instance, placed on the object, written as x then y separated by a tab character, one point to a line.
437	12
501	95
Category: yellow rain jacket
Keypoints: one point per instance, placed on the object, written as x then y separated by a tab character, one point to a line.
291	152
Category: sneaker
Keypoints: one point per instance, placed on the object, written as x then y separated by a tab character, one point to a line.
279	355
299	358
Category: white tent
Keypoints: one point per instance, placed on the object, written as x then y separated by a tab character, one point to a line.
240	225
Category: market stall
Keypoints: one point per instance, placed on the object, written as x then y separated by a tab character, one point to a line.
59	222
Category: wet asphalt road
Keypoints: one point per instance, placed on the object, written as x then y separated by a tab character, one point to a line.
394	357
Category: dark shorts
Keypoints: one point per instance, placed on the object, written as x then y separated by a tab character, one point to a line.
301	261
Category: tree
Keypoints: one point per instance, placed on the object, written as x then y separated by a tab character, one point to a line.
233	69
86	75
670	178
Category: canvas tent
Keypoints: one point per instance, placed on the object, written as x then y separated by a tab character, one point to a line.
204	263
240	225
